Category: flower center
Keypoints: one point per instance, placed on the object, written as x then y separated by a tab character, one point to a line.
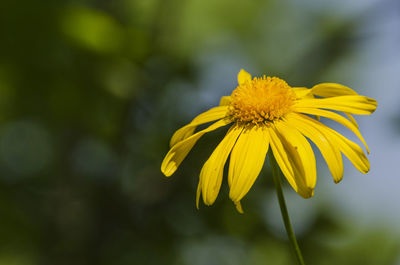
261	100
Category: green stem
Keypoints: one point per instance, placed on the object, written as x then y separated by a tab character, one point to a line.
282	204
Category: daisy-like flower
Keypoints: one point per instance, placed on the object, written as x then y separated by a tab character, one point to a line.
266	113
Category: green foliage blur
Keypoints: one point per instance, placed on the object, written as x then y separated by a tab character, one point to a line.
90	93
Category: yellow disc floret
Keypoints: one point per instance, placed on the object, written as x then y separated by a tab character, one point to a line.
261	100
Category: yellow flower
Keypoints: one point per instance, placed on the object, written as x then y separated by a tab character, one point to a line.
267	112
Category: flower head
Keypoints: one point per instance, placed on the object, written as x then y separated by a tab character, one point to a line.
266	113
261	100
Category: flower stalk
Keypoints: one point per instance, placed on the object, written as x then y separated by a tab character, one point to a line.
282	205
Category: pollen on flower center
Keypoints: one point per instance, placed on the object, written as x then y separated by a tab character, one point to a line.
261	100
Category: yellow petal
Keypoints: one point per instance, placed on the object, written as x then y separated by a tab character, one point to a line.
246	161
352	104
243	76
352	119
179	151
353	152
287	166
336	117
301	152
212	171
332	90
281	158
239	207
350	149
198	193
225	100
329	149
208	116
303	92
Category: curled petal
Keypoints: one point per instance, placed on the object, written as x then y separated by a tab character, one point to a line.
205	117
327	90
351	119
360	105
336	117
179	151
350	149
303	92
329	149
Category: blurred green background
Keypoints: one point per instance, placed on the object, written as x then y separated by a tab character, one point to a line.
91	91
